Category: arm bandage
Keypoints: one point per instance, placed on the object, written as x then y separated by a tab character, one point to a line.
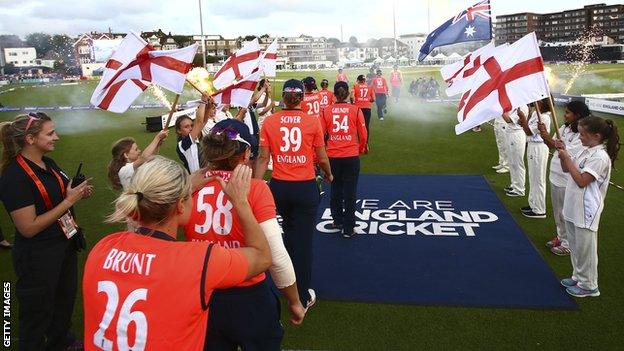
282	270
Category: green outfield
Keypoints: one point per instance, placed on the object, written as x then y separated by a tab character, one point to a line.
415	138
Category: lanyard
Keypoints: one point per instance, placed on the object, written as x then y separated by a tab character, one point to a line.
35	179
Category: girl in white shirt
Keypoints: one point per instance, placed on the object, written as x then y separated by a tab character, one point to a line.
574	111
537	159
590	171
516	139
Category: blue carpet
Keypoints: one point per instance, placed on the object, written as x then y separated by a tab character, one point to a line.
464	250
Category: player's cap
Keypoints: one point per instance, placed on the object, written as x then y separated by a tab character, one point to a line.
293	86
235	130
339	69
339	85
309	82
361	78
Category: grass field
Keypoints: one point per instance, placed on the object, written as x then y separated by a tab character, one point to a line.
416	138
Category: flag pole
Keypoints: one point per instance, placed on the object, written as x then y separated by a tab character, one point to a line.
539	113
173	108
554	115
195	86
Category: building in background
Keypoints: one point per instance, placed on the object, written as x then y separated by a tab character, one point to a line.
306	52
83	46
595	21
414	43
20	57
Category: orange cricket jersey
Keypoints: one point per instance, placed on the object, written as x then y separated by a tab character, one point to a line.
363	95
311	104
341	77
214	219
380	85
327	98
345	128
395	78
292	138
145	293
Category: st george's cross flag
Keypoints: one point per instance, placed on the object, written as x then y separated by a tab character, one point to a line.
268	60
240	64
472	24
240	93
512	77
134	66
461	79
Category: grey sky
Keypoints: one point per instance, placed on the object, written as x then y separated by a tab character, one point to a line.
364	19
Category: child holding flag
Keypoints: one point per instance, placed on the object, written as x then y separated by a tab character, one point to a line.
590	172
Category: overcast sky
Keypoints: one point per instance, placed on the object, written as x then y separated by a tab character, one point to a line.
363	19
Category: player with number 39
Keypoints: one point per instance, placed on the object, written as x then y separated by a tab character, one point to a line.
291	138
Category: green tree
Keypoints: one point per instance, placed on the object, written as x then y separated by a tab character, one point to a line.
41	42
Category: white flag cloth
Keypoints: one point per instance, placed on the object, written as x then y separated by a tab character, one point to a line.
461	80
134	65
239	94
239	64
514	76
268	60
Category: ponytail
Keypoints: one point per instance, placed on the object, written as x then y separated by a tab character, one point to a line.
342	94
607	130
613	141
118	151
9	150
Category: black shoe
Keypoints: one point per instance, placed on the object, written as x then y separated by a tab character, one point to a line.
507	189
532	214
512	193
526	209
348	233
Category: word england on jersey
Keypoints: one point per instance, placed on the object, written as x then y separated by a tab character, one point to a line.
441	240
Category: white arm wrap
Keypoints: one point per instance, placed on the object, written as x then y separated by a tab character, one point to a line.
282	270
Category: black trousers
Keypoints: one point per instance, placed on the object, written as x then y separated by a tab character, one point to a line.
367	116
47	277
297	204
248	317
380	101
346	171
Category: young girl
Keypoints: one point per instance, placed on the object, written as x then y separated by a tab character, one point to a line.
590	171
537	159
516	146
575	110
127	158
189	132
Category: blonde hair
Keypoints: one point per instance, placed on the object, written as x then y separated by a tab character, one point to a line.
13	134
153	192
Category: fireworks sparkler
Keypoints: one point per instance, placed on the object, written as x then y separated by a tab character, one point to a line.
160	95
200	77
585	54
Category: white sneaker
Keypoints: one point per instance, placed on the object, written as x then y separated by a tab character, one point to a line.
497	167
312	299
503	170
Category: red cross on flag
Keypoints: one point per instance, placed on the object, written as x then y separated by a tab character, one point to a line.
458	75
134	66
240	64
268	60
239	94
512	77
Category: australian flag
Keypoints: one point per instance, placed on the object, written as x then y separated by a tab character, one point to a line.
474	23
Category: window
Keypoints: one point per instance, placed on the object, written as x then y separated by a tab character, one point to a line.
221	42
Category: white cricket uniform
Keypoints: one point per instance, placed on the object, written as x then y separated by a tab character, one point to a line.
501	140
516	139
262	107
537	161
582	208
559	179
125	176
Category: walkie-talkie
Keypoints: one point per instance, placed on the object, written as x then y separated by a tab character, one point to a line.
79	178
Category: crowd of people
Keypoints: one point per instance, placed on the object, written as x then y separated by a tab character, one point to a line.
424	88
585	150
218	197
216	194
